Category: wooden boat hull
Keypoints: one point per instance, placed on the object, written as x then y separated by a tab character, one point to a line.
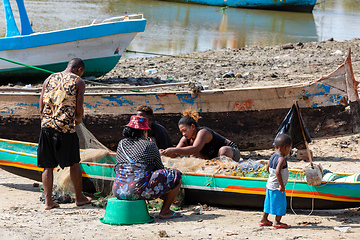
100	45
216	190
288	5
250	192
248	116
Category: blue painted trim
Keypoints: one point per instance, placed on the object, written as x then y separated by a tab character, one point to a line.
72	34
11	28
24	19
288	5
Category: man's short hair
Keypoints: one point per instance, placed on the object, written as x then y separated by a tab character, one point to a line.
283	140
76	63
146	109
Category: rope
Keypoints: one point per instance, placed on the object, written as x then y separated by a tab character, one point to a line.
25	65
260	63
312	200
41	69
291	199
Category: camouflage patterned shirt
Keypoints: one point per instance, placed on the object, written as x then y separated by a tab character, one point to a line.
59	99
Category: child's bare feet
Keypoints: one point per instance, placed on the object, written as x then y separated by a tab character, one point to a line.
83	201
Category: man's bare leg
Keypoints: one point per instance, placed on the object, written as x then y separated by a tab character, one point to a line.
47	180
76	178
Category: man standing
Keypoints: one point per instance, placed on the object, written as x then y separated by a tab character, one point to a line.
61	108
157	133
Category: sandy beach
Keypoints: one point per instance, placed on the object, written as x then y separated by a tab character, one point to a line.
23	215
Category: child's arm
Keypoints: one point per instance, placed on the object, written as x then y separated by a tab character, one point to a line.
280	164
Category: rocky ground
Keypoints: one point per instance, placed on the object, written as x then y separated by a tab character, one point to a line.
251	66
247	67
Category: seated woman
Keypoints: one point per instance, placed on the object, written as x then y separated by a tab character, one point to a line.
201	142
140	174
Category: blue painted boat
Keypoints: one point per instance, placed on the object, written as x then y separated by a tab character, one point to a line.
282	5
246	191
100	44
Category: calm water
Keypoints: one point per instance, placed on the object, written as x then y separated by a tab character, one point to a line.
175	28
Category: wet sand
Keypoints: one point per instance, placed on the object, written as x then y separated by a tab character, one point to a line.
253	66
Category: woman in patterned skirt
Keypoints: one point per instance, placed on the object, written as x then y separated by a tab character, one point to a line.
140	174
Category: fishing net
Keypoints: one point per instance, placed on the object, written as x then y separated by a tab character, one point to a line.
91	151
221	166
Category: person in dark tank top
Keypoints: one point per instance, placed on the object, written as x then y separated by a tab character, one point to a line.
157	132
201	142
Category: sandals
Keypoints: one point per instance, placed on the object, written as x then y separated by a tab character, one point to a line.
284	226
267	224
173	216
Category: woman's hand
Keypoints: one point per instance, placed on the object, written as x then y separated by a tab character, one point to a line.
169	152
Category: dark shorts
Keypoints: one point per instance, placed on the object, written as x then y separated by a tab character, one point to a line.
57	148
236	152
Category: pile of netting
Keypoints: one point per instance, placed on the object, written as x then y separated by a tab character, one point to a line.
59	196
91	150
220	166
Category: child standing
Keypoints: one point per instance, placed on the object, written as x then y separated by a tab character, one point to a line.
275	200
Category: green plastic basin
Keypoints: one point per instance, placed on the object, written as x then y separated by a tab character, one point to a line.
126	212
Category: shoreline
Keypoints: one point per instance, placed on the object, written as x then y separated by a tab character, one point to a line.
251	66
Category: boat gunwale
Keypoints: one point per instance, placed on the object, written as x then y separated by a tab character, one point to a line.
74	28
121	90
19	142
212	176
58	37
113	154
36	92
265	179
